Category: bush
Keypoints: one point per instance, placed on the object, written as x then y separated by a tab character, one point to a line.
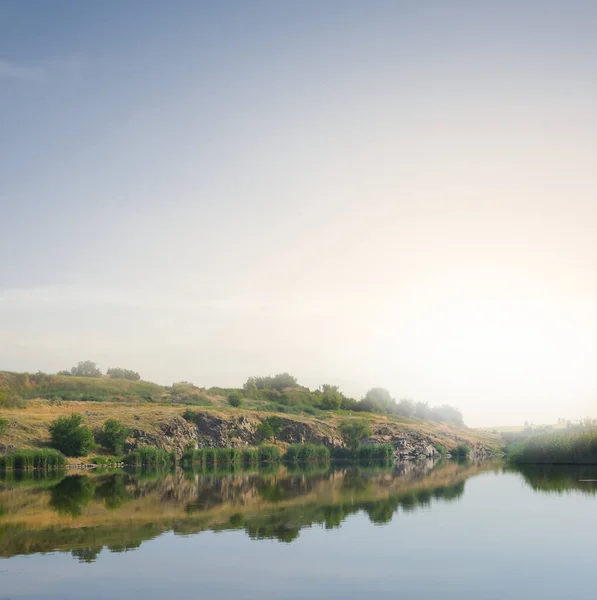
33	459
235	398
70	437
190	415
12	400
353	431
269	453
461	451
3	424
113	436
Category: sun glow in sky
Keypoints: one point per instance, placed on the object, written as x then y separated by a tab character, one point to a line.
396	194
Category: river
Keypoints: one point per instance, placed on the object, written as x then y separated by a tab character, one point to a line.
481	531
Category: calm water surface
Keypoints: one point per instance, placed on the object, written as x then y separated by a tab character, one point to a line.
424	531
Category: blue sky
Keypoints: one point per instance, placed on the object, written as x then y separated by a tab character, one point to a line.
363	193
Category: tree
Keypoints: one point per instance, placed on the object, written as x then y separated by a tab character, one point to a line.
422	410
378	399
86	368
120	373
235	398
406	408
446	414
331	397
353	431
70	437
113	435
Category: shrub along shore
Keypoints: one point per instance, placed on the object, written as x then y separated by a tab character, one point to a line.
209	457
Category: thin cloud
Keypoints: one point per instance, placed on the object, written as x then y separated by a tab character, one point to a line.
12	70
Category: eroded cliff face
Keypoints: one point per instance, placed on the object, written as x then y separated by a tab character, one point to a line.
215	430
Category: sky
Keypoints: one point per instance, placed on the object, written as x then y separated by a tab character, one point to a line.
397	194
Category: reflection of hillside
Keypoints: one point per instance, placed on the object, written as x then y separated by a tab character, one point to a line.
84	513
559	478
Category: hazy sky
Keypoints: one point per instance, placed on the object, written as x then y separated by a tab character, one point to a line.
367	193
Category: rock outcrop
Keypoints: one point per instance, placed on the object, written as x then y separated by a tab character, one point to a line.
216	430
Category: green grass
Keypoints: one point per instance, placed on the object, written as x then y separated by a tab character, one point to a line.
303	453
574	448
149	457
33	459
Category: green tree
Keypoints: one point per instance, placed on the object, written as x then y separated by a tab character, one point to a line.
353	431
70	436
112	436
331	397
235	398
86	368
379	399
422	410
406	408
119	373
269	429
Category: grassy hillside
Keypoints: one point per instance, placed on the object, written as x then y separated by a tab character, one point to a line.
30	402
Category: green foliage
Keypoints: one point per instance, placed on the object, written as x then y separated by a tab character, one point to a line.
368	453
147	456
250	455
11	400
353	431
565	447
446	414
375	452
235	398
120	373
441	449
461	451
190	415
269	453
299	453
269	429
227	455
422	410
331	397
379	400
3	424
278	382
70	436
85	368
33	459
405	408
112	436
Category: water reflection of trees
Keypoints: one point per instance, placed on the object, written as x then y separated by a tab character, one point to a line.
271	505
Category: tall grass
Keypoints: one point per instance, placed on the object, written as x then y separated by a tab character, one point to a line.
365	453
33	459
149	457
562	447
269	453
302	453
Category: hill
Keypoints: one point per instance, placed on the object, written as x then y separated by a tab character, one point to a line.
161	416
